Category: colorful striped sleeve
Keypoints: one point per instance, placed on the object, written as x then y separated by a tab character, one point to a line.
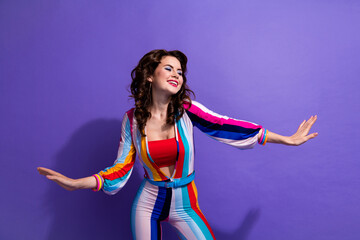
238	133
116	176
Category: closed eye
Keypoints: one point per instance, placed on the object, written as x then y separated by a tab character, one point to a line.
169	68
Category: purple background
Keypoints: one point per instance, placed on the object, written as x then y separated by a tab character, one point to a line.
64	73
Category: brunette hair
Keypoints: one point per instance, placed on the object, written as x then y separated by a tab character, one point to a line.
141	88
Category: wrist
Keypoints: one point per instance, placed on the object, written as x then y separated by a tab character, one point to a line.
99	182
77	184
262	136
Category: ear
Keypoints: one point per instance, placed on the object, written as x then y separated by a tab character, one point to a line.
150	79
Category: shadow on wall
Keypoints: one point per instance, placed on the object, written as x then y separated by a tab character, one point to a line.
241	233
243	230
88	215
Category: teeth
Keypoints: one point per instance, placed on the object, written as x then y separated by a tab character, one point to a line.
173	82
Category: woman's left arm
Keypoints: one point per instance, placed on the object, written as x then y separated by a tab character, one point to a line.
299	137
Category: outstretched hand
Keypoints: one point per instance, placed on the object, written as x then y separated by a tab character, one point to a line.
302	134
65	182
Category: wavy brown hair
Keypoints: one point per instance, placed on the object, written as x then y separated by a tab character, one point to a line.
141	88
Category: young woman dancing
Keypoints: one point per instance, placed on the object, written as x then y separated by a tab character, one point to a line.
159	130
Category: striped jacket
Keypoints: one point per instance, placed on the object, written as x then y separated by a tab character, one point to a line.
234	132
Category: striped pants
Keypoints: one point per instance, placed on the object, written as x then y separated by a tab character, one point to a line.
179	206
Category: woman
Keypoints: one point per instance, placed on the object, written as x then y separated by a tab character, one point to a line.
160	131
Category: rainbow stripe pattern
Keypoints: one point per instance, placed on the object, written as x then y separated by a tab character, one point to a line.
179	205
238	133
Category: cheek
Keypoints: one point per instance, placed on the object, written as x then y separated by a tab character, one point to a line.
158	75
163	74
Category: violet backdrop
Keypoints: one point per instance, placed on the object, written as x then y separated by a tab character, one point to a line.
64	74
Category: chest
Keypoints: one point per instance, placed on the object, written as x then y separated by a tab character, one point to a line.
159	130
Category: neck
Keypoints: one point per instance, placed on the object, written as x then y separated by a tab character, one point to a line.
159	106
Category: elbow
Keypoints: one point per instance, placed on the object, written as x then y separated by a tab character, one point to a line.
111	193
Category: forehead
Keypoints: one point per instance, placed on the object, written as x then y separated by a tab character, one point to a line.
173	61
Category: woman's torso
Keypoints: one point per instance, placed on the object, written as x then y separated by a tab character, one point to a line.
157	129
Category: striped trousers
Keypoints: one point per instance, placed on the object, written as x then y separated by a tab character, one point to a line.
178	206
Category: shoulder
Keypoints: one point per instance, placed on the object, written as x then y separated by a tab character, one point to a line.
195	107
130	112
191	104
129	116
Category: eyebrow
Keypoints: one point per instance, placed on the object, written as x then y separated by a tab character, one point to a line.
173	67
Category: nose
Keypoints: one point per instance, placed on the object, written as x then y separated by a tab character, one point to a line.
175	74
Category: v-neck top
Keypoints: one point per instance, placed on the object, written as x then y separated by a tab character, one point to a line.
234	132
163	152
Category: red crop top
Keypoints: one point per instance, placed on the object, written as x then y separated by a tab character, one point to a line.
163	152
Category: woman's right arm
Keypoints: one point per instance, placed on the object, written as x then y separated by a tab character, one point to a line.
111	179
69	183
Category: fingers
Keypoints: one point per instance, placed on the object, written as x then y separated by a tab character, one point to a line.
308	124
312	120
60	179
43	171
302	134
46	171
310	136
62	182
301	124
52	177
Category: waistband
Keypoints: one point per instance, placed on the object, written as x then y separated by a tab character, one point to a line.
175	182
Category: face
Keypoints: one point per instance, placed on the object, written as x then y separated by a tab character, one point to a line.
167	78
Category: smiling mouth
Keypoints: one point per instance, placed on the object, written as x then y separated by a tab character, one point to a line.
173	83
